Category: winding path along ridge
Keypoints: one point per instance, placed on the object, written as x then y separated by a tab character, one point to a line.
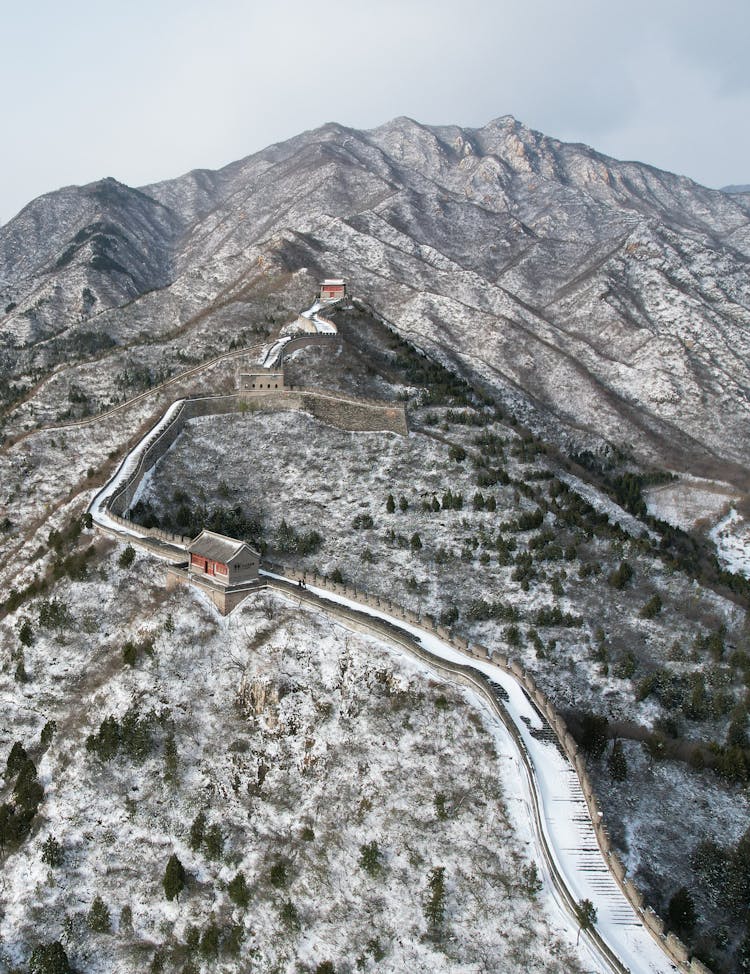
566	843
565	838
271	357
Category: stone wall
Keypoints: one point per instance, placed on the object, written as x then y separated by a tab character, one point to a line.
669	942
336	410
318	338
161	438
260	381
361	415
356	415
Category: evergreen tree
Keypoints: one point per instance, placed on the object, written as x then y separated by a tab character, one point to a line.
238	891
127	557
27	793
7	825
170	758
26	633
479	503
593	737
652	608
681	911
126	919
209	947
105	743
48	732
54	614
213	842
369	858
586	915
53	853
197	831
290	915
416	542
174	878
617	762
621	575
434	909
403	504
49	959
278	874
390	504
16	760
98	918
157	962
232	940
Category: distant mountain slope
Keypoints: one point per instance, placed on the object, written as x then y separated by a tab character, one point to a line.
741	188
607	296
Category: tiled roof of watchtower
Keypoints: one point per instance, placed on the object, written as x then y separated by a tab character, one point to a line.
217	547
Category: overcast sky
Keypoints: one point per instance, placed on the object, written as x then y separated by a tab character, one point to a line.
147	89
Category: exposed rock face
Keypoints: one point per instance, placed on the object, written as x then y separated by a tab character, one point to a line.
607	296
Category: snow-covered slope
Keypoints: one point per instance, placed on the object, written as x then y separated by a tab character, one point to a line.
608	296
302	743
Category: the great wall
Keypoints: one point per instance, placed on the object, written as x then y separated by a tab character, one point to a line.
474	665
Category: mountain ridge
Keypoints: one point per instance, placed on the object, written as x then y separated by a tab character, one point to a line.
609	299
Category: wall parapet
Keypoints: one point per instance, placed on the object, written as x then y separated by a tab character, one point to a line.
669	942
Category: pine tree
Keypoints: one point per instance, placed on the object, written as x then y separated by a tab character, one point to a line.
16	760
174	878
49	959
369	858
434	909
7	825
617	762
209	947
53	853
278	874
98	918
213	842
290	915
157	962
681	911
197	831
586	915
403	504
48	732
416	542
238	891
126	919
170	758
390	504
127	557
